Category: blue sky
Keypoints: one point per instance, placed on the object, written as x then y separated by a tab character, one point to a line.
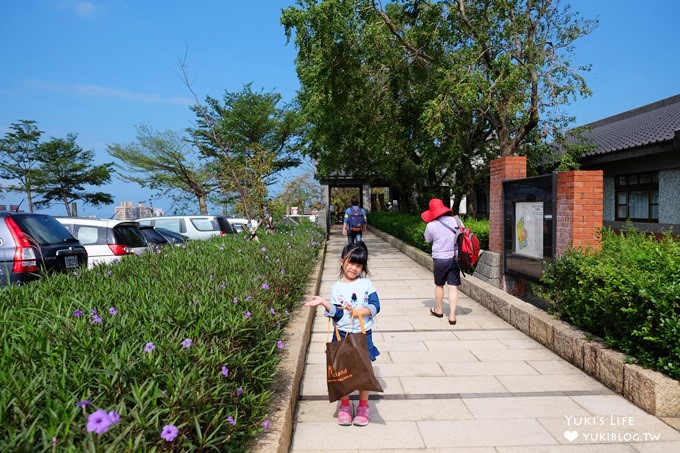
99	68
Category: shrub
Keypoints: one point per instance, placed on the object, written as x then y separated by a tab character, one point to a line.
628	293
185	337
410	228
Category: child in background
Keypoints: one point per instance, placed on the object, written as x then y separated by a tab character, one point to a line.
351	296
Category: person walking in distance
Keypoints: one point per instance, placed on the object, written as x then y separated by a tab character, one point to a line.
355	221
442	231
351	296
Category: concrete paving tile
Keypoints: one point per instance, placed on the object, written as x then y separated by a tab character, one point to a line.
421	410
606	405
480	433
515	354
431	357
470	345
409	337
452	385
402	369
323	436
552	383
554	367
387	346
496	334
522	407
657	447
521	343
487	368
568	449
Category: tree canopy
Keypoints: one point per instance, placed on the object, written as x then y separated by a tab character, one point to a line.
167	163
424	93
248	139
55	171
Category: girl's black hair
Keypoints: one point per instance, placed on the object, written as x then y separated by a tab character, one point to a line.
357	253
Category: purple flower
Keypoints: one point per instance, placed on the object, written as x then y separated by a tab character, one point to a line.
149	347
279	344
235	299
263	249
247	315
83	403
265	286
96	319
98	421
266	425
272	311
186	343
114	417
231	420
283	271
113	311
169	432
248	298
225	371
78	313
239	391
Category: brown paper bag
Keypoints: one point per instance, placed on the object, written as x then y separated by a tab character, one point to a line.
348	366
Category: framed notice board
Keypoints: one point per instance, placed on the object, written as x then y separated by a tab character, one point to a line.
528	225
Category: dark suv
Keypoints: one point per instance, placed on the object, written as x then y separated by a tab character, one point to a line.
32	245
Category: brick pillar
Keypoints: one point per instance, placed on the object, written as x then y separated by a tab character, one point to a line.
579	204
503	169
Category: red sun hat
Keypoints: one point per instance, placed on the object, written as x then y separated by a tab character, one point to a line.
437	209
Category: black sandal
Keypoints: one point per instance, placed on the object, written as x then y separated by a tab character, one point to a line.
434	313
453	323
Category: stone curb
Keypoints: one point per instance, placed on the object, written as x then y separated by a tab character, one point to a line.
651	391
284	398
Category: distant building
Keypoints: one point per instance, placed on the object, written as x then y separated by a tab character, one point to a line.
128	210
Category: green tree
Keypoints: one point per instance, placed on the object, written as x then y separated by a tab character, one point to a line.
248	139
65	170
431	89
167	163
303	192
18	162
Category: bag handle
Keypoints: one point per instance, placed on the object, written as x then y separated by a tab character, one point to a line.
337	332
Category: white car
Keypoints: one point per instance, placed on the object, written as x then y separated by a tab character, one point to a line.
239	225
192	226
106	240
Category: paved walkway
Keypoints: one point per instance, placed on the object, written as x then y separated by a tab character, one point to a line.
481	386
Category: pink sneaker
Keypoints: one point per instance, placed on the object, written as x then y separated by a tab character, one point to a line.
363	416
345	415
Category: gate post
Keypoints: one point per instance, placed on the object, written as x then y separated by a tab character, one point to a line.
578	208
505	168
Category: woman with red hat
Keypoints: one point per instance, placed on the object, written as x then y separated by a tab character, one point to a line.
442	231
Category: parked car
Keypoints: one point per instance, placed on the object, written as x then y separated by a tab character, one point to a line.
32	245
106	240
172	237
239	225
153	237
192	226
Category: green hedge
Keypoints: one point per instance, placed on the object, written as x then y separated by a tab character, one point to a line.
628	293
410	228
188	336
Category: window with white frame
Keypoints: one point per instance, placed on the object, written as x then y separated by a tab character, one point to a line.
637	197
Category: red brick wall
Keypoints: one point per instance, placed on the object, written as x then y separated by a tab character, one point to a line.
503	169
579	205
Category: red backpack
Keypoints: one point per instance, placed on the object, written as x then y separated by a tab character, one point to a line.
468	250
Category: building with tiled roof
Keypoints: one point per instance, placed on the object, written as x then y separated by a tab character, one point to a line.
639	154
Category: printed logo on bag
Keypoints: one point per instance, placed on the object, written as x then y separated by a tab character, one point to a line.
338	376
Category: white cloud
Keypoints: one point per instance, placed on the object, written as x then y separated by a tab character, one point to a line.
99	91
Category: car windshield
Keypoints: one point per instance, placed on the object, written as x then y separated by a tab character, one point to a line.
152	235
129	235
43	229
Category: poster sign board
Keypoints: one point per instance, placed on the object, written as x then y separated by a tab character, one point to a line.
529	229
